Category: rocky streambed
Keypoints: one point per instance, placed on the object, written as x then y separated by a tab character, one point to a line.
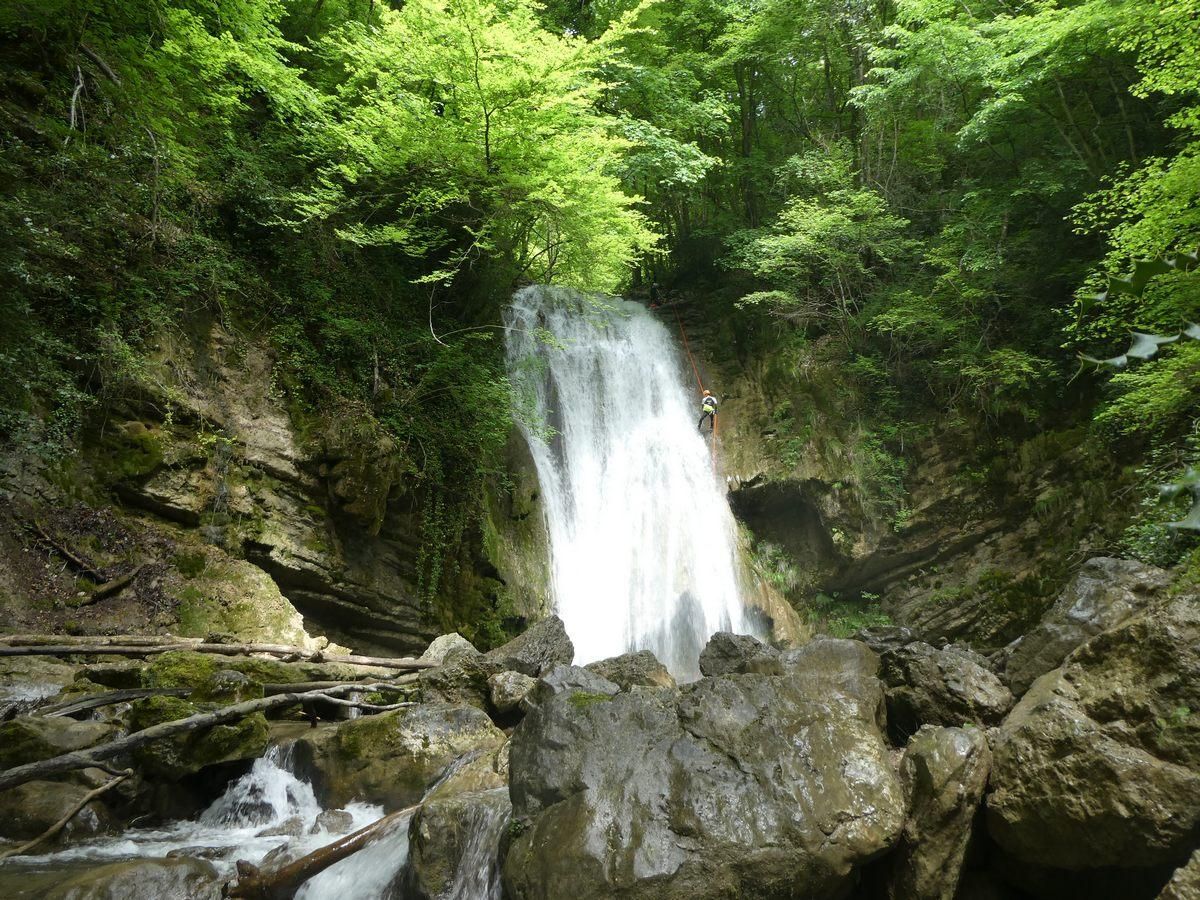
1066	765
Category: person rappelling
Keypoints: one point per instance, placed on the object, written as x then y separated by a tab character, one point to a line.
708	410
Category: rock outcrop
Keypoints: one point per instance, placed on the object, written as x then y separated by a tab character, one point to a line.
144	879
393	757
1185	883
1105	593
950	686
736	785
1099	763
727	653
943	772
630	669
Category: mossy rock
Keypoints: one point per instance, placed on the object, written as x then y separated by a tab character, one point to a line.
186	668
227	686
392	758
30	738
131	452
172	758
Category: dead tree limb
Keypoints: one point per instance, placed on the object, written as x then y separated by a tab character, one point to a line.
108	698
254	884
62	823
393	686
57	546
10	647
100	63
113	586
98	755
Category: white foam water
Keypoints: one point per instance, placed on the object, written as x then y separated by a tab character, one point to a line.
643	543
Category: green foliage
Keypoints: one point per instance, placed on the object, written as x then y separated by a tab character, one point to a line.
843	617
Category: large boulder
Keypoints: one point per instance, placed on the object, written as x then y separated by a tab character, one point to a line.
143	879
29	809
393	757
740	785
454	847
507	689
538	649
1099	763
442	646
1105	593
948	686
32	738
633	670
727	653
187	753
944	772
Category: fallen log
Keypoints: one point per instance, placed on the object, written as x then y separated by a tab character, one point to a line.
108	698
62	550
396	684
97	756
254	884
11	647
62	823
113	586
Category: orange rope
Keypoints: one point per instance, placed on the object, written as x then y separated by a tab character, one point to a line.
688	349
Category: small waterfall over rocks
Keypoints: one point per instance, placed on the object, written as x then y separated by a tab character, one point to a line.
642	539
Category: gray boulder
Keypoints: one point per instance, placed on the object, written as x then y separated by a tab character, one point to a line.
454	847
461	680
538	649
1105	593
440	647
392	758
881	638
633	670
944	772
333	821
748	785
29	809
507	689
143	879
1099	763
950	686
727	654
1185	883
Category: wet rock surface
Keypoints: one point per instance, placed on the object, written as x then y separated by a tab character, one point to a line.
1105	593
391	758
146	879
740	785
726	654
949	686
506	690
633	669
538	649
453	846
1099	763
29	809
943	772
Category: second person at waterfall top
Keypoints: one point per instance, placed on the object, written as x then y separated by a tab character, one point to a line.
708	410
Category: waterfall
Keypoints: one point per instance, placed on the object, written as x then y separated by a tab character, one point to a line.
642	539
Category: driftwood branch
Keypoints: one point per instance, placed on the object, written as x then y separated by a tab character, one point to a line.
32	646
108	698
57	546
62	823
113	586
100	63
98	755
254	884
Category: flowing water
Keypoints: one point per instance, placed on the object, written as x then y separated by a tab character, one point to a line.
231	828
643	543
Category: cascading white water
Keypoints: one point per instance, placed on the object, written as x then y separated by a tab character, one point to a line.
642	539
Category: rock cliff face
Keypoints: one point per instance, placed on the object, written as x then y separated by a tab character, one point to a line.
968	538
314	510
